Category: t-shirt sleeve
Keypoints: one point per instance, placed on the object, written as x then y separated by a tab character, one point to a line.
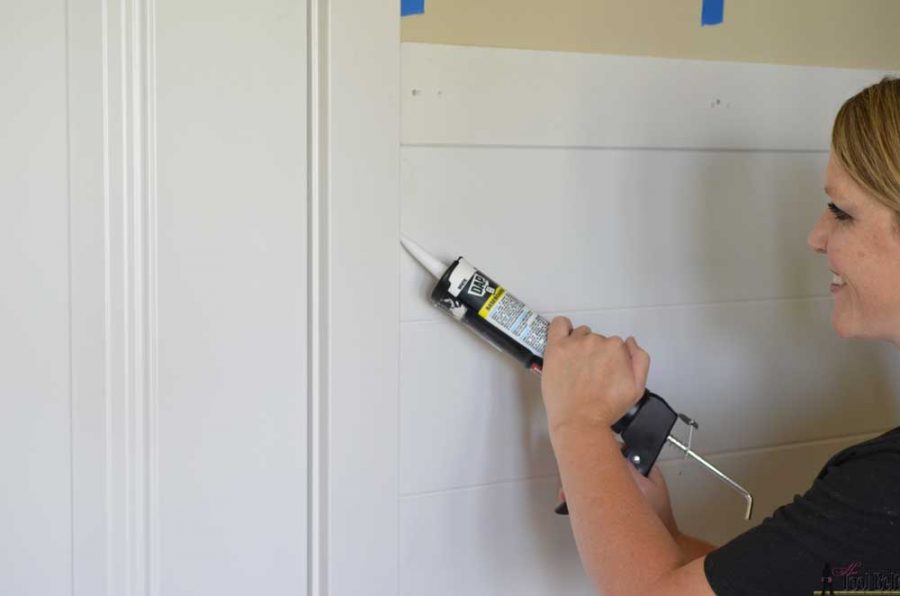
850	514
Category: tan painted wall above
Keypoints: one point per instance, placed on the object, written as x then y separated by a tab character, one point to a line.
837	33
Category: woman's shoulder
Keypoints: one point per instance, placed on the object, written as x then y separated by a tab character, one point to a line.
864	476
887	444
891	435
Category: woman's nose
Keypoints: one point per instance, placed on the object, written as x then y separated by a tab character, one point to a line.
818	237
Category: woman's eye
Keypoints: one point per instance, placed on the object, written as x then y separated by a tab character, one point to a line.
838	213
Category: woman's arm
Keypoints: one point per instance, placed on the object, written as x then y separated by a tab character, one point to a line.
624	546
692	548
656	493
588	383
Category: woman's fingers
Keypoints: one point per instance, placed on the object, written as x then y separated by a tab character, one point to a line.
640	362
587	376
560	327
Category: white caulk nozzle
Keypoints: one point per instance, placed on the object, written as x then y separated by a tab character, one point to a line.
434	266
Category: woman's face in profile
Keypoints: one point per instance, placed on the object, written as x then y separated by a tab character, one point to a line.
861	239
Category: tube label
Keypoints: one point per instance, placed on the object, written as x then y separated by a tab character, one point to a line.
512	316
460	276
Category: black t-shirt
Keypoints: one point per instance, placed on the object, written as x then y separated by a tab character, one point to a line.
849	520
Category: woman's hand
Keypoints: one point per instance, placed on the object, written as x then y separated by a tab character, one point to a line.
589	380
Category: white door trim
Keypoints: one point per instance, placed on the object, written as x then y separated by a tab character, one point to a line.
112	88
354	315
317	119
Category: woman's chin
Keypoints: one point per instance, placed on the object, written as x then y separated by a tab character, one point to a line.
841	326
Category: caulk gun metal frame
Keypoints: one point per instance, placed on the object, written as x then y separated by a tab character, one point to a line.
482	305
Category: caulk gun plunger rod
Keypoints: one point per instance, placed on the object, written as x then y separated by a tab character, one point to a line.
721	475
434	266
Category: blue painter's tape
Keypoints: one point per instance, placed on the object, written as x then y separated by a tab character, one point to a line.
408	7
713	12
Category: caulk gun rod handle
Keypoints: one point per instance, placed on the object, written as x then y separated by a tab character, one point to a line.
719	473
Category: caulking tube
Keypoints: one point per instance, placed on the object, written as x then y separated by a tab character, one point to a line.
491	311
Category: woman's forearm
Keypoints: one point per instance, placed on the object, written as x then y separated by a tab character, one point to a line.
623	544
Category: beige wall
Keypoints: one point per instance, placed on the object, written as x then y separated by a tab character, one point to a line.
846	33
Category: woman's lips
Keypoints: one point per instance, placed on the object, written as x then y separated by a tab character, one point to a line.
837	282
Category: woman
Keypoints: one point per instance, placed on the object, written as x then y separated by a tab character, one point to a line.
623	523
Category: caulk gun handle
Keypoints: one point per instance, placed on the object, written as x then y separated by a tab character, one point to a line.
644	430
626	420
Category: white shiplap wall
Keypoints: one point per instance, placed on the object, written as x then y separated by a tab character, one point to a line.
666	199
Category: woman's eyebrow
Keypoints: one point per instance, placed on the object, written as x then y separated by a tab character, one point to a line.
834	195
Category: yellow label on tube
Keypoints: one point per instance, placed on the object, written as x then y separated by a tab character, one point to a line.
491	302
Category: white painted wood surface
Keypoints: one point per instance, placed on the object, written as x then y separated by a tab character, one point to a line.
357	239
619	192
98	548
35	503
232	296
154	306
485	96
616	228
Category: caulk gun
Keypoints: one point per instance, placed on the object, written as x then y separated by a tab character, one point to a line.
504	321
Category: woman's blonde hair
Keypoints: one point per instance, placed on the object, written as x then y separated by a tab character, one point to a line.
866	141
